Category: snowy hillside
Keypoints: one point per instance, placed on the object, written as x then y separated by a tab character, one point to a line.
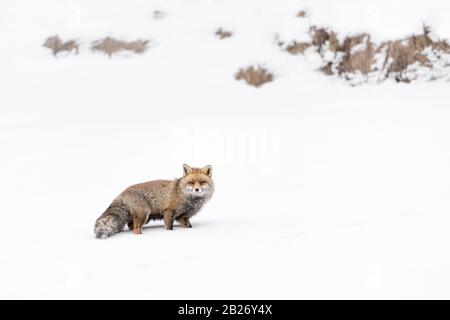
323	190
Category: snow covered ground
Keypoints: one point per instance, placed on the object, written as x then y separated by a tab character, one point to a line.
322	190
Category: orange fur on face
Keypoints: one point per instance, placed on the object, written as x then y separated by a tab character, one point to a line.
196	181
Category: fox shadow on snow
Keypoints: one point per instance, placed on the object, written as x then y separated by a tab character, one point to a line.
160	227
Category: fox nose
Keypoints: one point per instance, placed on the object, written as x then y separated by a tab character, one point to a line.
196	189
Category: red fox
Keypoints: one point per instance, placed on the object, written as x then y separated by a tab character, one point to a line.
170	200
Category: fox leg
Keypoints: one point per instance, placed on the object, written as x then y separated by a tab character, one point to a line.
184	222
139	219
168	219
137	225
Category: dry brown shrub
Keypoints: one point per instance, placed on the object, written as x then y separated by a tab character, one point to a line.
398	54
321	36
334	42
222	34
298	47
327	69
441	45
419	43
301	14
55	44
254	76
361	60
111	46
352	41
402	53
402	56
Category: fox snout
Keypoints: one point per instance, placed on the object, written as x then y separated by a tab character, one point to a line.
199	190
196	188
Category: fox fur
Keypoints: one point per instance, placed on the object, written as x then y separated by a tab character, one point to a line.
170	200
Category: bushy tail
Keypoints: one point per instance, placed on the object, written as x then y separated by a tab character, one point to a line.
112	221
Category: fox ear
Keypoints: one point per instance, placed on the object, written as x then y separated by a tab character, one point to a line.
187	169
207	170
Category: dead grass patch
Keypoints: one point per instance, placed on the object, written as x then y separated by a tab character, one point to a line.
254	76
301	14
360	61
441	45
359	54
298	47
327	68
352	41
55	44
357	60
399	56
321	36
222	34
112	46
402	53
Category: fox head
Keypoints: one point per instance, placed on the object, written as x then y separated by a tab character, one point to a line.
197	182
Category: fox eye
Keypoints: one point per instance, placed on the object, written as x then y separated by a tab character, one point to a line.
203	182
190	184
